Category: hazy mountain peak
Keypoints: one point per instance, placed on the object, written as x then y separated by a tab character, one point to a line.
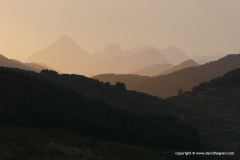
66	40
64	54
191	62
113	47
174	55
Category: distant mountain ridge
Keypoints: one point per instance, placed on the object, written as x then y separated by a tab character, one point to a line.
153	70
67	56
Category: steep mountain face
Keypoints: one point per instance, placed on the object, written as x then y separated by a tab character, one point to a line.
183	65
213	107
153	70
17	64
174	55
64	55
168	85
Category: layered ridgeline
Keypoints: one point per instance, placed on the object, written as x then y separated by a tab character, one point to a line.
214	108
67	56
153	70
169	85
183	65
27	99
12	63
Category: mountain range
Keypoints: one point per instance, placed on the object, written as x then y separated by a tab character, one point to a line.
67	56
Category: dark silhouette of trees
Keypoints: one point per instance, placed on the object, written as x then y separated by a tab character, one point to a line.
180	92
49	72
120	85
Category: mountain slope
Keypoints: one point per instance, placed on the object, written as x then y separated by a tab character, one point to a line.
185	64
153	70
64	55
17	64
169	85
214	108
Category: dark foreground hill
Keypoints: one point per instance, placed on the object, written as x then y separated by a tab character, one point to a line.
214	108
28	100
25	143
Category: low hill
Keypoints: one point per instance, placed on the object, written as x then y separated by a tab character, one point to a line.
214	108
183	65
153	70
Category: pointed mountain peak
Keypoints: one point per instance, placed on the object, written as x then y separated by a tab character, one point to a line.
190	62
66	38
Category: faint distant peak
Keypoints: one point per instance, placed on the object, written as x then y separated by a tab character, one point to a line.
113	47
66	38
189	63
149	47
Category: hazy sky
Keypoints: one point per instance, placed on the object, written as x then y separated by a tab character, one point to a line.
200	27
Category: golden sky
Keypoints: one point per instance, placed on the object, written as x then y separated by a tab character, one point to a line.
199	27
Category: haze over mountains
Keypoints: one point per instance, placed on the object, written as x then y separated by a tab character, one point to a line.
64	55
67	56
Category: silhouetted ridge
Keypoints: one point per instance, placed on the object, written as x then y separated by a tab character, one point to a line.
26	99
